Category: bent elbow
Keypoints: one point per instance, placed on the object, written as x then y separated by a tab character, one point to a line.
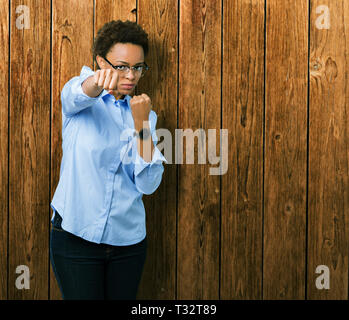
148	184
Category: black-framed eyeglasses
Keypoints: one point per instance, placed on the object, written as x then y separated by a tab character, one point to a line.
139	70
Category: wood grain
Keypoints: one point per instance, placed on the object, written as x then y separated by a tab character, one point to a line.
257	232
29	165
199	108
71	49
159	19
4	88
285	149
242	185
328	226
108	10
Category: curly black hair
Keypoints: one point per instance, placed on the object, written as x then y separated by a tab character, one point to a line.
118	31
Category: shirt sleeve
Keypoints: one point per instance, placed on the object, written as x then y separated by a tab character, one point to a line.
73	97
148	175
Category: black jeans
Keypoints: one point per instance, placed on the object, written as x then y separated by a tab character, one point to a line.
87	270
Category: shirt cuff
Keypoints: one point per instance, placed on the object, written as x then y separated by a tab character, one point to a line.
81	96
84	74
141	164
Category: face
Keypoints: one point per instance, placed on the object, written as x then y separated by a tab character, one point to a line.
122	54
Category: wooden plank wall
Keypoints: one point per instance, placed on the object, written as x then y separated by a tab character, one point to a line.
4	82
263	69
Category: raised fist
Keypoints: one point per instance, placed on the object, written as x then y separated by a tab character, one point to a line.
107	79
140	106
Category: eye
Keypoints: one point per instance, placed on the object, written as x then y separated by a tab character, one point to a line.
138	68
121	68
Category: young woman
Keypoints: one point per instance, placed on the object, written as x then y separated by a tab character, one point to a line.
98	237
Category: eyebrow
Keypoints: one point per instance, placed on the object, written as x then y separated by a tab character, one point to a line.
127	62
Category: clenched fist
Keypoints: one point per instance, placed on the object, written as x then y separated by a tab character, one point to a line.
140	106
107	79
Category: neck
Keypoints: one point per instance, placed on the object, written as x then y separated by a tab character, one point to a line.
119	96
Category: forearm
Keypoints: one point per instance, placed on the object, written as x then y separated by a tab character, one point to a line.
90	88
73	96
145	147
148	166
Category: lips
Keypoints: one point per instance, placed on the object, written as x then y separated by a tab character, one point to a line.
128	86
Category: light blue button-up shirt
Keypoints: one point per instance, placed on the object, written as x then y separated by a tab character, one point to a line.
99	194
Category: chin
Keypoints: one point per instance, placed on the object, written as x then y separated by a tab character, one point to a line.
130	92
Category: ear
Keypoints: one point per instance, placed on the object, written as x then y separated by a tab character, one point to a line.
100	61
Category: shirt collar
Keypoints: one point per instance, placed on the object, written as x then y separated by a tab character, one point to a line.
124	102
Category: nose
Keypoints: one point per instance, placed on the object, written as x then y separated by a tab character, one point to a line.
130	74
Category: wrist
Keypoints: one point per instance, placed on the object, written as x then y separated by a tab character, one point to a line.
143	134
140	124
90	88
